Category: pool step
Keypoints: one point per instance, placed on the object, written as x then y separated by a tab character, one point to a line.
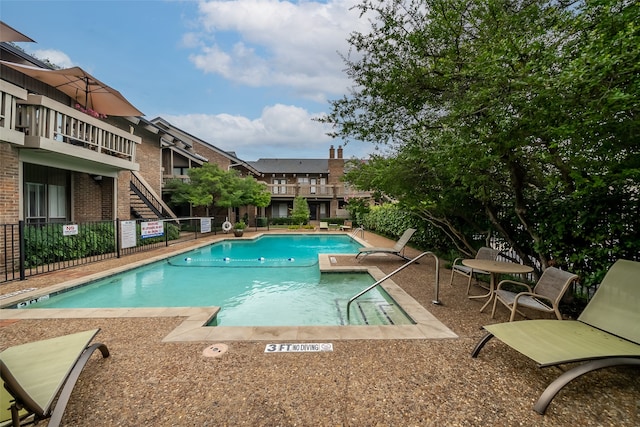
374	312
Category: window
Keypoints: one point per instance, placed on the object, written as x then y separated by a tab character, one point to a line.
323	186
177	171
35	200
57	203
279	210
46	197
280	186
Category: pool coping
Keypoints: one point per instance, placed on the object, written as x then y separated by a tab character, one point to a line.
193	328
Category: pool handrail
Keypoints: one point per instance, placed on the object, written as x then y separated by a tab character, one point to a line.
402	267
359	230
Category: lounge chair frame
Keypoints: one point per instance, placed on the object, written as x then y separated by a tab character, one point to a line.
606	334
346	226
24	406
397	249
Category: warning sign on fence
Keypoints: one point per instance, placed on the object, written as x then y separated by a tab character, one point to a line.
151	229
70	229
127	234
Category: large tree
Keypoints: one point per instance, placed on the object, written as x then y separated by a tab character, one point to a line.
210	184
519	117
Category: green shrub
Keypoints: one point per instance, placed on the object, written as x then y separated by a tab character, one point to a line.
391	220
281	221
300	213
46	244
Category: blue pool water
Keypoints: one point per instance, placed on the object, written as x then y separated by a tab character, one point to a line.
270	281
269	251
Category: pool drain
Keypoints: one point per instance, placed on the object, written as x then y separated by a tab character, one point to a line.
215	350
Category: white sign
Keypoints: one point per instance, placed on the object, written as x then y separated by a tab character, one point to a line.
205	225
127	234
298	348
70	230
151	229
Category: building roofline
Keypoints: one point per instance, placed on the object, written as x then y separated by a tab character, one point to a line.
14	50
235	161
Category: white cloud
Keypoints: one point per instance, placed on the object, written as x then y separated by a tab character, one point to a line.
272	43
281	130
56	57
278	43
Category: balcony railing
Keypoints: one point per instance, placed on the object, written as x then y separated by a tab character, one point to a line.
9	96
306	190
52	126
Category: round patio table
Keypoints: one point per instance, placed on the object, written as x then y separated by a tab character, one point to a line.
494	268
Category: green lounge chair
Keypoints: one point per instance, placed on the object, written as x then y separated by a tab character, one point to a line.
606	333
397	249
34	374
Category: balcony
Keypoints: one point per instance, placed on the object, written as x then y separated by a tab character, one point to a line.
35	121
288	191
183	178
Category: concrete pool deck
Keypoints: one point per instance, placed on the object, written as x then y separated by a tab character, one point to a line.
362	382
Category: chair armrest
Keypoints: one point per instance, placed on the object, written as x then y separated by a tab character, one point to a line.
513	282
457	261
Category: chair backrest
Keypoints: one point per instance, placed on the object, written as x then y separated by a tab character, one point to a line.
404	239
487	253
615	307
348	223
554	283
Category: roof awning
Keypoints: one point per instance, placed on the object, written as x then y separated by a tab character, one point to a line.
10	34
90	93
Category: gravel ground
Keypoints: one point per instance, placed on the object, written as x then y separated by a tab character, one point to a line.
146	382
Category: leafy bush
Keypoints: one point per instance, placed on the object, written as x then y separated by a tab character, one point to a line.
391	220
358	208
281	221
46	244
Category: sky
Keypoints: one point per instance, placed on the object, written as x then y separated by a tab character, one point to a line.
246	76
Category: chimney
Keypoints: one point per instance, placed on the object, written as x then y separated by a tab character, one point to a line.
339	151
332	152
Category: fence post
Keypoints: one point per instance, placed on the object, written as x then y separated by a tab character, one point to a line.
21	247
117	233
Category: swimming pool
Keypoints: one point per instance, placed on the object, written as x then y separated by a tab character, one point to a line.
269	281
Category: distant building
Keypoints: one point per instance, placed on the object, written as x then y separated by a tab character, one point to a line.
317	180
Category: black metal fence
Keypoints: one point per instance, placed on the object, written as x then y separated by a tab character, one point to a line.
30	249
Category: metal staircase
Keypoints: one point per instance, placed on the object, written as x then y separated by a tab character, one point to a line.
144	202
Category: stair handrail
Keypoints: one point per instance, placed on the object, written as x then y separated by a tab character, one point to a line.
149	197
356	231
402	267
